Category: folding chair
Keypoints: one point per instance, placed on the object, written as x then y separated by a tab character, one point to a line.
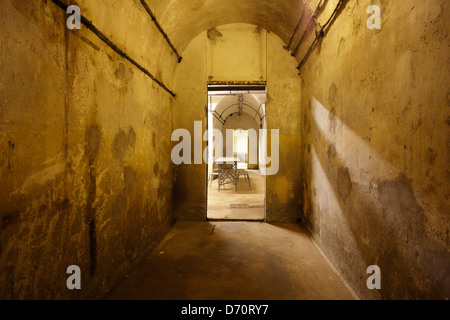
242	172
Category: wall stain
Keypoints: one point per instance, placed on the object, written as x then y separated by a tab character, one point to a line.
123	73
333	121
154	140
93	138
344	183
156	169
131	137
431	156
215	36
8	219
129	175
120	71
257	31
120	205
93	143
400	205
332	95
341	46
120	145
332	153
318	69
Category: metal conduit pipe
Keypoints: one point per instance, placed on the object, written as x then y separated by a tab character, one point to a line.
150	13
88	24
295	31
313	17
320	33
216	115
298	25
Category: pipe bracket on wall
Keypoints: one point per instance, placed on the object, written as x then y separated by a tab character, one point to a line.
88	24
320	33
161	30
312	18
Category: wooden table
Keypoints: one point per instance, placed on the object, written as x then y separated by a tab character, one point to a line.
228	172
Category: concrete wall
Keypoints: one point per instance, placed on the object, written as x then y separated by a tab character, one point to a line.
89	180
375	147
207	59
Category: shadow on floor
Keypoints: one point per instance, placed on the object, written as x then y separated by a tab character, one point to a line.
233	261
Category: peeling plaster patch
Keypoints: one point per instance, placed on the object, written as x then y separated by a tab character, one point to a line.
215	35
318	69
101	176
104	225
435	13
40	178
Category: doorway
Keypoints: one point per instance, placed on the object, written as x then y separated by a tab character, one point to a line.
236	189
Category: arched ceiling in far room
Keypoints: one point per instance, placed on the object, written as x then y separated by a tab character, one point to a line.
226	106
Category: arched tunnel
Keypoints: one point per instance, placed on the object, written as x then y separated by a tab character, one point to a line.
355	100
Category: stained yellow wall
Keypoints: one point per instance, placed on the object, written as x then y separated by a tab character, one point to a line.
90	176
375	147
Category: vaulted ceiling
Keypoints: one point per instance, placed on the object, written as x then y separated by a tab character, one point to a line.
183	20
238	104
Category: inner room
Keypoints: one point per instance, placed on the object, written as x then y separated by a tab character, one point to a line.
236	120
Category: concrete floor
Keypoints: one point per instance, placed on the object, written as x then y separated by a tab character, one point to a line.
233	261
245	204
